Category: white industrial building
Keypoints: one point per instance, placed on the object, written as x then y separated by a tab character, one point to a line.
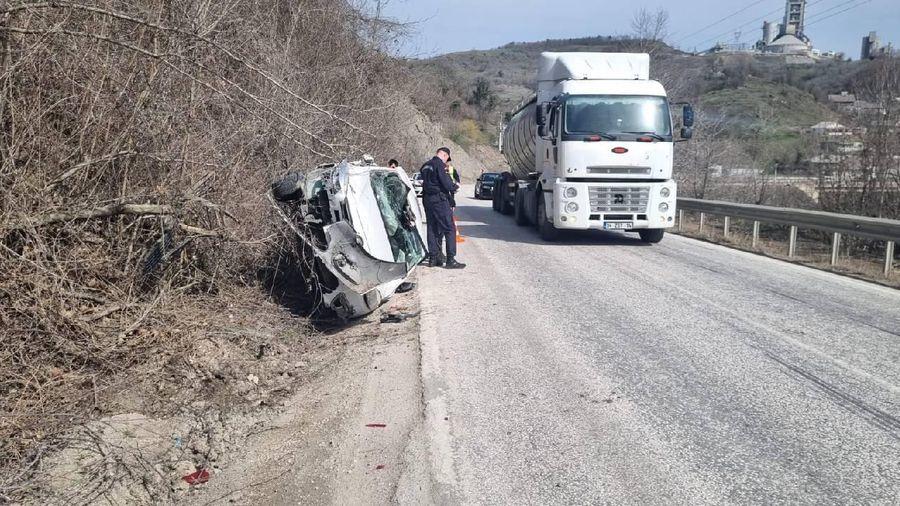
787	37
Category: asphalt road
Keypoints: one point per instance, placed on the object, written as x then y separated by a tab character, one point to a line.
602	370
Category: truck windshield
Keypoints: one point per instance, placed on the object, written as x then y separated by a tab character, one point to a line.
617	115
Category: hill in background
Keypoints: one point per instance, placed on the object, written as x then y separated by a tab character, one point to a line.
754	96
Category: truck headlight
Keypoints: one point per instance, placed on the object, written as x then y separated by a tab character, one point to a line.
665	192
571	193
663	207
571	207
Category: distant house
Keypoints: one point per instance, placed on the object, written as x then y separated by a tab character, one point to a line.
850	148
836	142
830	129
844	98
848	103
863	107
826	161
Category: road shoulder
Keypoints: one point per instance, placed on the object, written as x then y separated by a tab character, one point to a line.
341	438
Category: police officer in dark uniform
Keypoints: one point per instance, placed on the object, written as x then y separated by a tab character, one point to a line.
436	190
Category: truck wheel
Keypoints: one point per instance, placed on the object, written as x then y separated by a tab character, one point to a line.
288	187
652	235
495	198
505	205
546	229
519	209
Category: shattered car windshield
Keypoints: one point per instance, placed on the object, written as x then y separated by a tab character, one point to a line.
399	220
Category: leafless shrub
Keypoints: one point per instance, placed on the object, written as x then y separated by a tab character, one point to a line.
136	142
869	185
699	164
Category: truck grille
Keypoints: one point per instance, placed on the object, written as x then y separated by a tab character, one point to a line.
627	171
619	200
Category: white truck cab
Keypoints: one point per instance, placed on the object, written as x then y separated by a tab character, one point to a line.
593	149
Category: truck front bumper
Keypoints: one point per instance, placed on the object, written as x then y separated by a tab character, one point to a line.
613	206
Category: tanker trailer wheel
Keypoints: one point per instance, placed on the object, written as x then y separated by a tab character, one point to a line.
505	206
546	229
519	209
652	235
495	198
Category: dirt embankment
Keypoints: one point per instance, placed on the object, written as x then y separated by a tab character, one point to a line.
268	411
421	137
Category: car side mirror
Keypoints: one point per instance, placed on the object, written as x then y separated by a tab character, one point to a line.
687	115
687	132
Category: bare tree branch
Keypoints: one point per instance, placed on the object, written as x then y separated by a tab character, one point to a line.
240	59
97	212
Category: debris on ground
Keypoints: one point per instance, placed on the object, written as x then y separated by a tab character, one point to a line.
196	478
397	317
406	286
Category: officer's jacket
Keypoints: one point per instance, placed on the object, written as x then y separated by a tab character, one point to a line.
435	180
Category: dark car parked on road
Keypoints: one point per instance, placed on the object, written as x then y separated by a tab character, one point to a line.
484	185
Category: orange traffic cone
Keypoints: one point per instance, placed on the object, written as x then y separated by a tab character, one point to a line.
459	238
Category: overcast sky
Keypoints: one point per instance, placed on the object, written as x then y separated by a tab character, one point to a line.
443	26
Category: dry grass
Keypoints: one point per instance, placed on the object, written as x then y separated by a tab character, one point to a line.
859	258
137	140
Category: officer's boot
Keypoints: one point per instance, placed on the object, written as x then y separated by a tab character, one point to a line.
453	264
436	260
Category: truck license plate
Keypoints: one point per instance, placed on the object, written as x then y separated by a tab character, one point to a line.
617	226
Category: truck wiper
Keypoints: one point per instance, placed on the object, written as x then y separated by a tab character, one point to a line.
653	135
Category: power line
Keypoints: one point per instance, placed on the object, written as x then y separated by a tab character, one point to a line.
726	18
748	23
818	16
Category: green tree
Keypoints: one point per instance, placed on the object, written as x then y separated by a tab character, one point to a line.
483	98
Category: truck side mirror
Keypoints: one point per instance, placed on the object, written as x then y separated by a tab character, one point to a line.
687	132
542	131
539	115
687	115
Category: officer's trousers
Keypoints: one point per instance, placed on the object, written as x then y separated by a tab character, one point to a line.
440	224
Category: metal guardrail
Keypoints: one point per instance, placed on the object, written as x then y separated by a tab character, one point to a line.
838	224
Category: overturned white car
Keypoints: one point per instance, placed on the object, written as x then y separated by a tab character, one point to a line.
364	225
